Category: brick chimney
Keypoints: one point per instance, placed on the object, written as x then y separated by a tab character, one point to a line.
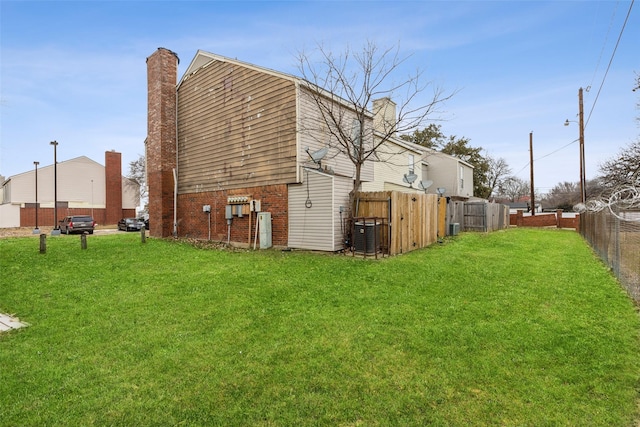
162	78
384	115
113	186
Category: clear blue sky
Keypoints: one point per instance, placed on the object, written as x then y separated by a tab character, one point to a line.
75	71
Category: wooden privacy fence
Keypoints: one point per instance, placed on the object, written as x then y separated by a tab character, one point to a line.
477	216
408	220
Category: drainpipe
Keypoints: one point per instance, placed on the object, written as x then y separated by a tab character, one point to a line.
175	203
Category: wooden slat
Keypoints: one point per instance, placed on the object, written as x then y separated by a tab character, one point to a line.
413	221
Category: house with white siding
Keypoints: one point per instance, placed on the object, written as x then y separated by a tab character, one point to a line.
411	168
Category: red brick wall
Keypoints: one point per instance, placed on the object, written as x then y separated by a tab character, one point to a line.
162	77
544	220
113	187
194	223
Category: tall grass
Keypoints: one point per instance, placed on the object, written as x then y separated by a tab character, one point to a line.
520	327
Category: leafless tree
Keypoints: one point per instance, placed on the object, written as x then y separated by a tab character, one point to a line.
497	172
514	188
623	170
137	176
344	86
563	195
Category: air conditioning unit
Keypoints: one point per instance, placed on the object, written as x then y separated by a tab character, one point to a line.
454	229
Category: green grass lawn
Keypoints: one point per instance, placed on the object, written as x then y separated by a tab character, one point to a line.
521	327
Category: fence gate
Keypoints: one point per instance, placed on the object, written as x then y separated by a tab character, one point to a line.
475	216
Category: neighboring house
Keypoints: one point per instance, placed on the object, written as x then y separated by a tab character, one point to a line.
453	175
84	187
397	160
231	140
523	205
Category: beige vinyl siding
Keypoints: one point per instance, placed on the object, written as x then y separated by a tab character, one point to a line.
392	165
443	170
9	215
312	227
467	176
236	128
314	134
74	184
342	186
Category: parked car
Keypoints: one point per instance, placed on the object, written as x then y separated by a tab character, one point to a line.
130	224
145	221
77	224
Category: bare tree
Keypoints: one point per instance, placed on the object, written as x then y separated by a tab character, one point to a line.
514	188
497	172
138	176
343	87
623	170
564	195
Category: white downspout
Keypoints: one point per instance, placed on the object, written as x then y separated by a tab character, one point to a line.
175	177
175	203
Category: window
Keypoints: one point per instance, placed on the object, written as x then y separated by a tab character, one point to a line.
411	163
461	177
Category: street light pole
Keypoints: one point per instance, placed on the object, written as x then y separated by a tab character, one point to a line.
56	229
36	230
92	200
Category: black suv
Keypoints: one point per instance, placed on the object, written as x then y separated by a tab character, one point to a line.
77	223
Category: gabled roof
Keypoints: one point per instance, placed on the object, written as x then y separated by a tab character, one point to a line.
202	59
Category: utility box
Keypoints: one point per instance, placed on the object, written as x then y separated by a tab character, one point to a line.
454	229
264	225
367	236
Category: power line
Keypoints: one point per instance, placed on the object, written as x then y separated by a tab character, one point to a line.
613	54
547	155
597	94
604	45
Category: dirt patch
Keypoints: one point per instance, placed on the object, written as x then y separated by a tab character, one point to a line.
28	231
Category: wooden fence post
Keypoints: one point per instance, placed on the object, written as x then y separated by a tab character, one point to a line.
442	217
83	240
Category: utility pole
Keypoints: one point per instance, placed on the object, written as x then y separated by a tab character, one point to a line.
533	200
583	181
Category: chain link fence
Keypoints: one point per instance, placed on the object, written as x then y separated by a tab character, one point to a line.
612	228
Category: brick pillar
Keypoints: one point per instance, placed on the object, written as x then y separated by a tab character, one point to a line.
113	186
162	78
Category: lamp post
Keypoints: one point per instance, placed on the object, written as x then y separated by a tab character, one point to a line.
36	230
583	181
92	200
56	229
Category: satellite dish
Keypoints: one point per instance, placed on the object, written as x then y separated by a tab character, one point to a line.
317	156
410	178
426	184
